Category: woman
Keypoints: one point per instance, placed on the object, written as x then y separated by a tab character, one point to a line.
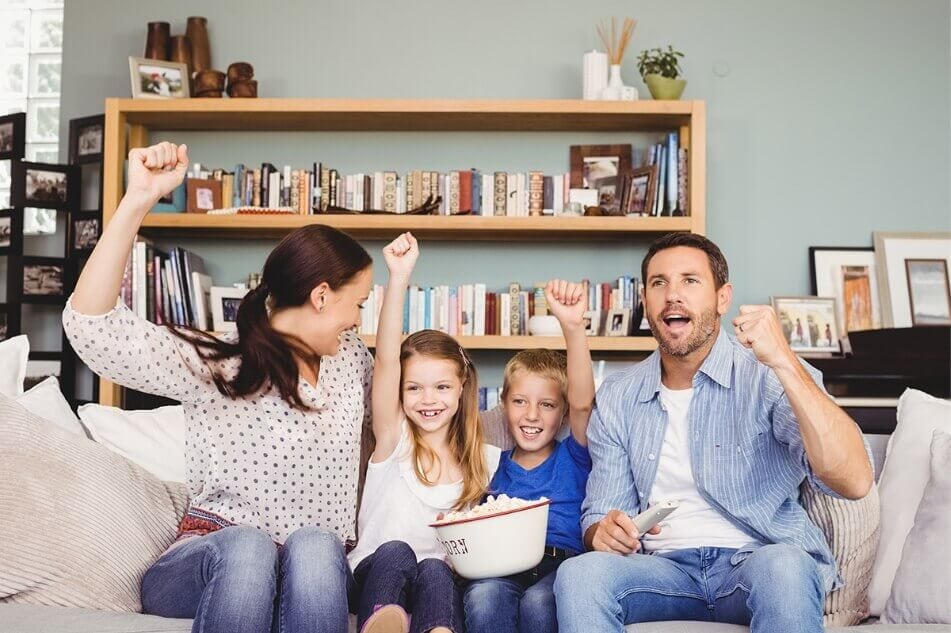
274	420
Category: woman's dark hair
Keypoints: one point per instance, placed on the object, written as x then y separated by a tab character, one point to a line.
304	259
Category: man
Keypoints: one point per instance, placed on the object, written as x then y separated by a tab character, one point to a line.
729	427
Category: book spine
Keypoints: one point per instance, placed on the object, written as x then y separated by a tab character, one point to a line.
536	192
499	192
682	197
514	314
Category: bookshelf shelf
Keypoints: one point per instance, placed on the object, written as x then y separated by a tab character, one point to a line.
129	123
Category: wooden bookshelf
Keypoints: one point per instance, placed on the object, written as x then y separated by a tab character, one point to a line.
129	123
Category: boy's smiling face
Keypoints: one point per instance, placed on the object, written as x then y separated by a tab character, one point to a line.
534	408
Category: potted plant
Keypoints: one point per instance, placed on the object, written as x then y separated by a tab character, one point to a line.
661	72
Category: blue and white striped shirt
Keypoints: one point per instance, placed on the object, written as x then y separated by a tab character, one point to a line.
746	450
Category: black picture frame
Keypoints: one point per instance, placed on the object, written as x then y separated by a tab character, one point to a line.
11	231
9	320
22	172
82	136
34	273
82	236
13	136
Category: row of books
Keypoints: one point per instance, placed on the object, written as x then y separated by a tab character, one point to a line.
471	310
670	160
168	287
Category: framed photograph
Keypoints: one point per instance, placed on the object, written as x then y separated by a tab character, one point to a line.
9	320
225	301
618	322
601	167
929	293
156	79
203	195
641	191
44	280
592	322
809	324
44	185
86	229
891	251
12	136
848	274
38	370
85	139
173	202
11	231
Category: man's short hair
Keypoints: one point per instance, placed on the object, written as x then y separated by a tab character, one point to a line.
546	363
718	265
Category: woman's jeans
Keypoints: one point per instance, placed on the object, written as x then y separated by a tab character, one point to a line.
427	589
236	580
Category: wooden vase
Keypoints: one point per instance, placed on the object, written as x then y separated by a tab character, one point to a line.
197	33
157	40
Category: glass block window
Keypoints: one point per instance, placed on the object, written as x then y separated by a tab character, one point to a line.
31	60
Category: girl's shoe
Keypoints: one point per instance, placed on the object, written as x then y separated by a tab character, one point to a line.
389	618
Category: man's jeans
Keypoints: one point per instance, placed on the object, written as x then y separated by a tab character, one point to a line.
775	589
236	580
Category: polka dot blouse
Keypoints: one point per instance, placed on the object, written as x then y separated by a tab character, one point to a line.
254	460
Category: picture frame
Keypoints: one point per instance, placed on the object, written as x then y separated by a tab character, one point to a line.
601	167
592	322
849	274
891	251
157	79
640	191
44	185
43	281
6	329
86	137
929	293
809	324
618	322
85	230
11	231
176	201
225	301
40	366
204	195
13	136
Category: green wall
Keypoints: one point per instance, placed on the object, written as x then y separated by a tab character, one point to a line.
825	120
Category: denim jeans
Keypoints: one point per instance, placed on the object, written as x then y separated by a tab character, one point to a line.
522	603
236	580
775	589
427	589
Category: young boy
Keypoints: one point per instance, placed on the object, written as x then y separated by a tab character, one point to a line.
540	389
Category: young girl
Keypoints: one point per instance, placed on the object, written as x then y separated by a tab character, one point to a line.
274	417
429	458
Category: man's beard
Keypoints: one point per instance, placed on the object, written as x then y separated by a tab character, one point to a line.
704	328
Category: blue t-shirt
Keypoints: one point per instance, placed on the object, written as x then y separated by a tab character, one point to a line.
562	478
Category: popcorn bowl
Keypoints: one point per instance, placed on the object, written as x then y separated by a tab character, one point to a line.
498	544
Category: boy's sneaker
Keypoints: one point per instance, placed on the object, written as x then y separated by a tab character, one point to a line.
389	618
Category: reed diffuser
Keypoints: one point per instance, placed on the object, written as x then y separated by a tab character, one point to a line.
615	42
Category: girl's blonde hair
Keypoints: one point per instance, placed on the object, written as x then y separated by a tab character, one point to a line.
465	428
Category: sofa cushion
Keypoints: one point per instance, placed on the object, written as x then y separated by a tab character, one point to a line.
154	439
902	484
14	353
46	400
80	524
922	588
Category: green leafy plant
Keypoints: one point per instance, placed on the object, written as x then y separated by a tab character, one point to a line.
657	61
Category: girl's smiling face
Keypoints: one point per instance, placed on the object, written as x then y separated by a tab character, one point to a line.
430	393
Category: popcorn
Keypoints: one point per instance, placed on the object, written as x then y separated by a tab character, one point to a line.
492	505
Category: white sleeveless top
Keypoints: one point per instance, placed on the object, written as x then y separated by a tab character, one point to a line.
398	507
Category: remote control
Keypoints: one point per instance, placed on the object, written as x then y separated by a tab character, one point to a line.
653	515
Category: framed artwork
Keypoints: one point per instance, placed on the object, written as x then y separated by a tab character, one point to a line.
602	168
225	301
11	231
85	139
642	191
156	79
44	280
12	136
592	322
891	251
809	324
44	185
85	230
174	201
929	295
618	322
848	274
204	195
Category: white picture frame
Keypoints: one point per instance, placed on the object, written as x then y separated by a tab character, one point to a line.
224	307
173	80
829	266
618	322
592	322
891	251
796	317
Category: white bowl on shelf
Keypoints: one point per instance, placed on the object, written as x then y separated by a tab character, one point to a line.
495	545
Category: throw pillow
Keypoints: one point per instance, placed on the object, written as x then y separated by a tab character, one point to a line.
46	400
80	524
851	528
14	353
902	483
153	439
921	593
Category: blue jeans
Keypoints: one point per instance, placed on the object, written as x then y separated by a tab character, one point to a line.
775	589
522	603
427	589
236	580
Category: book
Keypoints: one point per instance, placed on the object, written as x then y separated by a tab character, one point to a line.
201	299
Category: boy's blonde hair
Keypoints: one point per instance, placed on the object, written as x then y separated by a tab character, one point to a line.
543	362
